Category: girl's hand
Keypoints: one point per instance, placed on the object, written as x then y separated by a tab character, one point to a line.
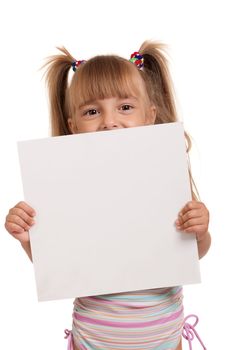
19	220
194	218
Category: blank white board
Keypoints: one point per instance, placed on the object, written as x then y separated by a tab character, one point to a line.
106	203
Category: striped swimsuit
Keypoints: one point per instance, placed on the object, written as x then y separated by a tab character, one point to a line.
150	319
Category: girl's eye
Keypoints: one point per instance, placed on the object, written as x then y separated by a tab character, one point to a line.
126	107
90	112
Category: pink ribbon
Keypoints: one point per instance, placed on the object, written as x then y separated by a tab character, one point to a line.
189	332
69	336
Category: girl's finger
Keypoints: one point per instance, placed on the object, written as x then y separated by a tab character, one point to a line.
13	228
15	219
199	230
190	206
22	214
192	222
24	206
194	213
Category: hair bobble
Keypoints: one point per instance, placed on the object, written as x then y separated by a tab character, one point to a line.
137	59
76	64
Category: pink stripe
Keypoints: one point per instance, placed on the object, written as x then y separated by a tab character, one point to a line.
117	302
127	324
104	301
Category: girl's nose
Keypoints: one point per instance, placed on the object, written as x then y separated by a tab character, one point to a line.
109	122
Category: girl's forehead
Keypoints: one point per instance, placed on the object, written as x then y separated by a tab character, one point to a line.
98	89
113	99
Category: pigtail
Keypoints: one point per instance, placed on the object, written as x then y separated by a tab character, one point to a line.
160	84
161	92
58	67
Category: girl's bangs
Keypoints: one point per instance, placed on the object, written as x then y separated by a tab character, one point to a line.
104	77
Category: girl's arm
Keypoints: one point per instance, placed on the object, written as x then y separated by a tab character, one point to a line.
27	247
18	222
194	217
204	245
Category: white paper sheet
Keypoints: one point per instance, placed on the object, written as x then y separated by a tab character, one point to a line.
106	204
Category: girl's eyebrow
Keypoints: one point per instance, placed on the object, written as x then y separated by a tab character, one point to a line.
129	98
87	103
91	102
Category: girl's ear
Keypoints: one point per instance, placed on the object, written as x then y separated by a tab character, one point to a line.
151	115
70	125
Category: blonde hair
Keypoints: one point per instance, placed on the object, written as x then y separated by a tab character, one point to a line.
109	76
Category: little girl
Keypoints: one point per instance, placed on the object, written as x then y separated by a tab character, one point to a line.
105	93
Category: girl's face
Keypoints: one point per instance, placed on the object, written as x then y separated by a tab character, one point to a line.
114	112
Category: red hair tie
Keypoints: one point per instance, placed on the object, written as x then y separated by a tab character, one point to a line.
76	64
137	59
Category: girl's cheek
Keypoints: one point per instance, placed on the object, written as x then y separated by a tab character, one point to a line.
87	127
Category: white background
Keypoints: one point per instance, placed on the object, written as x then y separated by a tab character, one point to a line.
199	39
